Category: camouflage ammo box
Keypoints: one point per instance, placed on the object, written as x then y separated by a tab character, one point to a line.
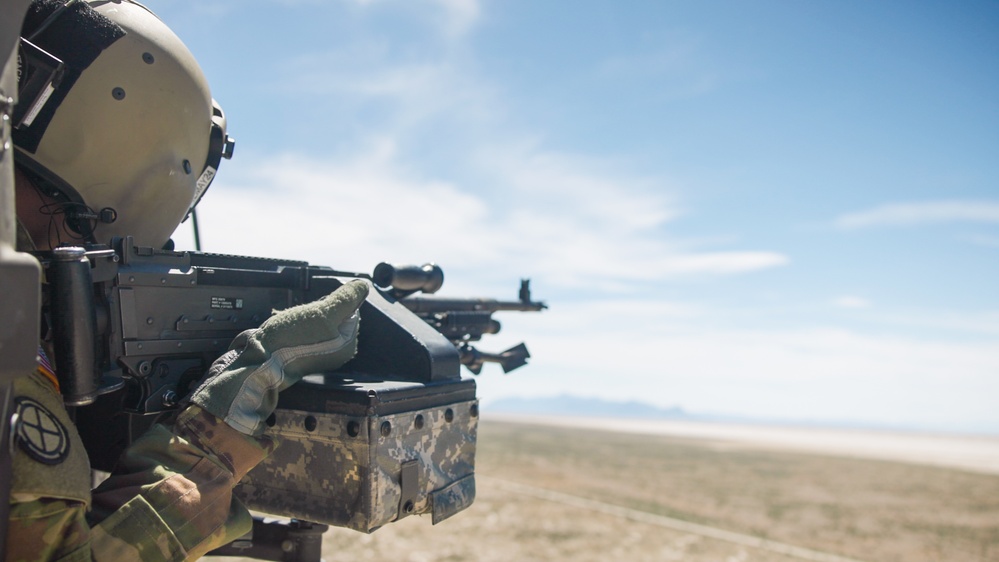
362	454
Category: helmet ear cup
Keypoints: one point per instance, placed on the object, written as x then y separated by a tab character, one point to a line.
129	129
220	145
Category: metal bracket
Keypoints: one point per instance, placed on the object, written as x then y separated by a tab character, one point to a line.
409	482
278	540
6	111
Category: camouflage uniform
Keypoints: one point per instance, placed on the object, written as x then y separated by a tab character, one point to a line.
170	497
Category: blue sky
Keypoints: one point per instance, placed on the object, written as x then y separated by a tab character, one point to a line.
776	209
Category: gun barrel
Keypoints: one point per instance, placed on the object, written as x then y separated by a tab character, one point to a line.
426	305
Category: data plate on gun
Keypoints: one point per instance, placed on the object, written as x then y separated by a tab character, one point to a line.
360	455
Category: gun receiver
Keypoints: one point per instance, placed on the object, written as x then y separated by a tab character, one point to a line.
460	320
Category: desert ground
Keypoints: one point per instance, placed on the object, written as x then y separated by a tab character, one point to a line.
582	490
979	453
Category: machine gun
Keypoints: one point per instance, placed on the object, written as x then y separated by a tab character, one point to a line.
390	434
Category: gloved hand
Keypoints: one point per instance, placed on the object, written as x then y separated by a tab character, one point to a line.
242	386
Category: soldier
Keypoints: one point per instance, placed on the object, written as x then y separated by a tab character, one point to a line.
123	138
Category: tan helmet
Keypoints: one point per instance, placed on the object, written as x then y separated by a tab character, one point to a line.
116	118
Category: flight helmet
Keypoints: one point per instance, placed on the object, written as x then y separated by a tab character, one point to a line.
115	120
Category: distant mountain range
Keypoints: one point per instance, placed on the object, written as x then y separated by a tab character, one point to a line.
566	405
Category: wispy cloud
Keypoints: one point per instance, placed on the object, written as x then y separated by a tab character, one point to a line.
983	240
574	220
587	228
368	77
927	212
459	16
679	70
851	301
689	356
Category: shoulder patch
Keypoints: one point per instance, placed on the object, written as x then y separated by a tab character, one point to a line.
39	432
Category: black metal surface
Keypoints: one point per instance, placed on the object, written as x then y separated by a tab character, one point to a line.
162	317
360	397
74	324
283	541
165	310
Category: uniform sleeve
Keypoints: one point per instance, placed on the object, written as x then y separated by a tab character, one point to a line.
50	477
170	497
47	529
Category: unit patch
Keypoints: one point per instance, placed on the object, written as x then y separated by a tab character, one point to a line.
39	432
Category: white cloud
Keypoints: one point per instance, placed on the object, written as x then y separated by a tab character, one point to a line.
348	213
961	325
459	15
721	262
983	240
681	355
679	71
454	17
565	219
929	212
593	221
571	219
566	226
367	74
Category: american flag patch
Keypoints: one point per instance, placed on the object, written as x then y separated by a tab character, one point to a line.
45	367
